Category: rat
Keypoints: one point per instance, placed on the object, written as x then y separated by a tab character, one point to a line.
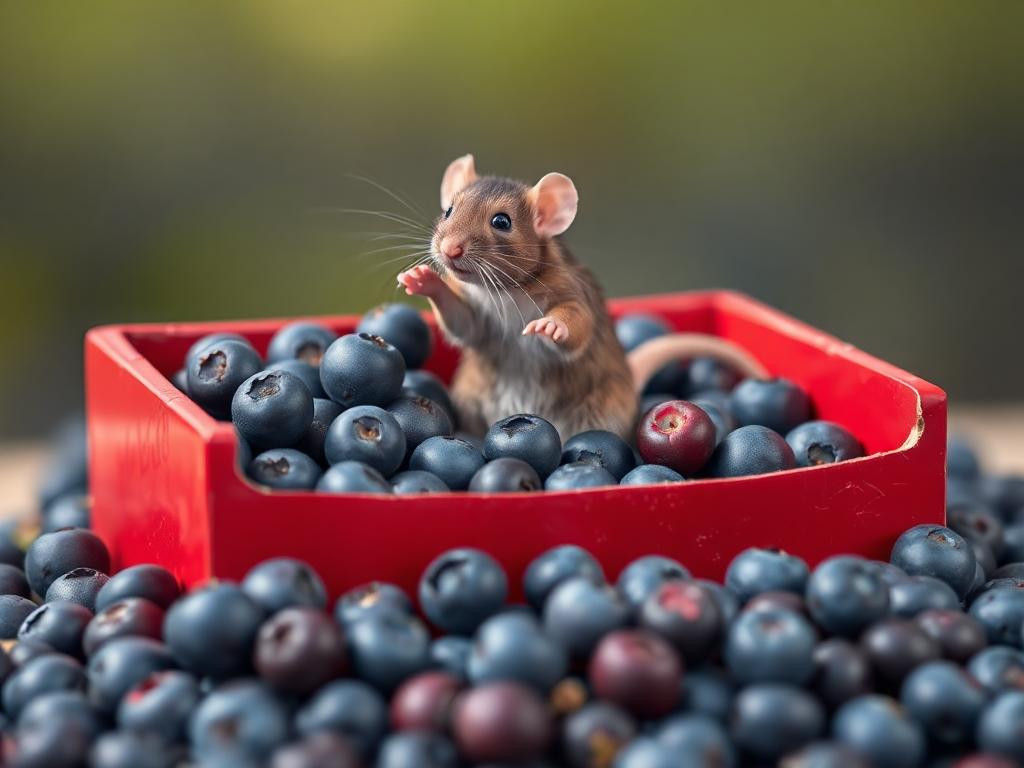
529	317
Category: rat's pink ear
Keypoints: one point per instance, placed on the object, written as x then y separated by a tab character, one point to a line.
461	172
554	200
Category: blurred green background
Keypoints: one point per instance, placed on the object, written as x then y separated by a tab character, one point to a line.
859	165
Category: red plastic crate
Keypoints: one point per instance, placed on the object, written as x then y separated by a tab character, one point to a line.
166	488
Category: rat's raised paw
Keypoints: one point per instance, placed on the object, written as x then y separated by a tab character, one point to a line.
551	327
421	281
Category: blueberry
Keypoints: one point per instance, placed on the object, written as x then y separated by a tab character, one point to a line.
750	450
387	647
154	583
14	609
318	750
120	664
698	737
299	649
1001	613
211	630
461	588
1000	724
824	754
771	720
1013	543
1005	494
915	594
368	434
842	672
285	469
133	616
66	471
428	385
401	326
879	728
770	647
932	550
525	437
687	615
977	524
961	460
959	635
598	446
300	341
54	554
591	735
579	475
643	576
79	585
846	594
505	475
999	669
43	674
671	377
452	459
651	474
556	566
944	700
24	651
55	730
645	752
1009	571
580	611
125	749
300	369
217	371
822	442
757	570
634	329
283	582
360	369
211	338
417	749
709	373
239	716
896	646
451	653
637	670
424	702
512	646
778	600
350	708
728	603
501	723
324	413
59	624
272	409
984	557
367	599
720	416
353	477
421	419
160	704
418	481
69	511
708	691
778	404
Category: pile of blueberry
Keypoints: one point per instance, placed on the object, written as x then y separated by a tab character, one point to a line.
913	662
357	414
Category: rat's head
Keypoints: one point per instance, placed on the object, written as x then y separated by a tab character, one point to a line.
493	226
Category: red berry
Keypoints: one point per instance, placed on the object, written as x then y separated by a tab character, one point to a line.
637	670
424	702
676	434
501	723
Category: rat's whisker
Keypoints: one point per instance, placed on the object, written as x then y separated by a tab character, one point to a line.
393	195
388	216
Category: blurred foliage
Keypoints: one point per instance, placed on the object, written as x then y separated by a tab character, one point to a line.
857	164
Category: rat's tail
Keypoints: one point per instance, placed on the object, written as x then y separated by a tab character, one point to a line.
649	357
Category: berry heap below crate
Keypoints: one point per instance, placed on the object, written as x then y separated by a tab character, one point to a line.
356	414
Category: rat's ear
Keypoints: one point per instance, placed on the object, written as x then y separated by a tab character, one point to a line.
461	172
554	200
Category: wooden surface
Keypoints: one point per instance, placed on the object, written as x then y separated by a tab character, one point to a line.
996	431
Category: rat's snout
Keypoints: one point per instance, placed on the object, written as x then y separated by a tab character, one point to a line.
452	247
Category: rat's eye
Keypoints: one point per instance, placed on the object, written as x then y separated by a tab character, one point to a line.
449	211
501	221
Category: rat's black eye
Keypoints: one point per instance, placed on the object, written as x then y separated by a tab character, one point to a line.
449	211
501	221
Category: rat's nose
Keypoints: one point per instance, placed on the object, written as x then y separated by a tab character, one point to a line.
451	249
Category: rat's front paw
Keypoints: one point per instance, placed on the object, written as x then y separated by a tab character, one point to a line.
551	327
421	281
